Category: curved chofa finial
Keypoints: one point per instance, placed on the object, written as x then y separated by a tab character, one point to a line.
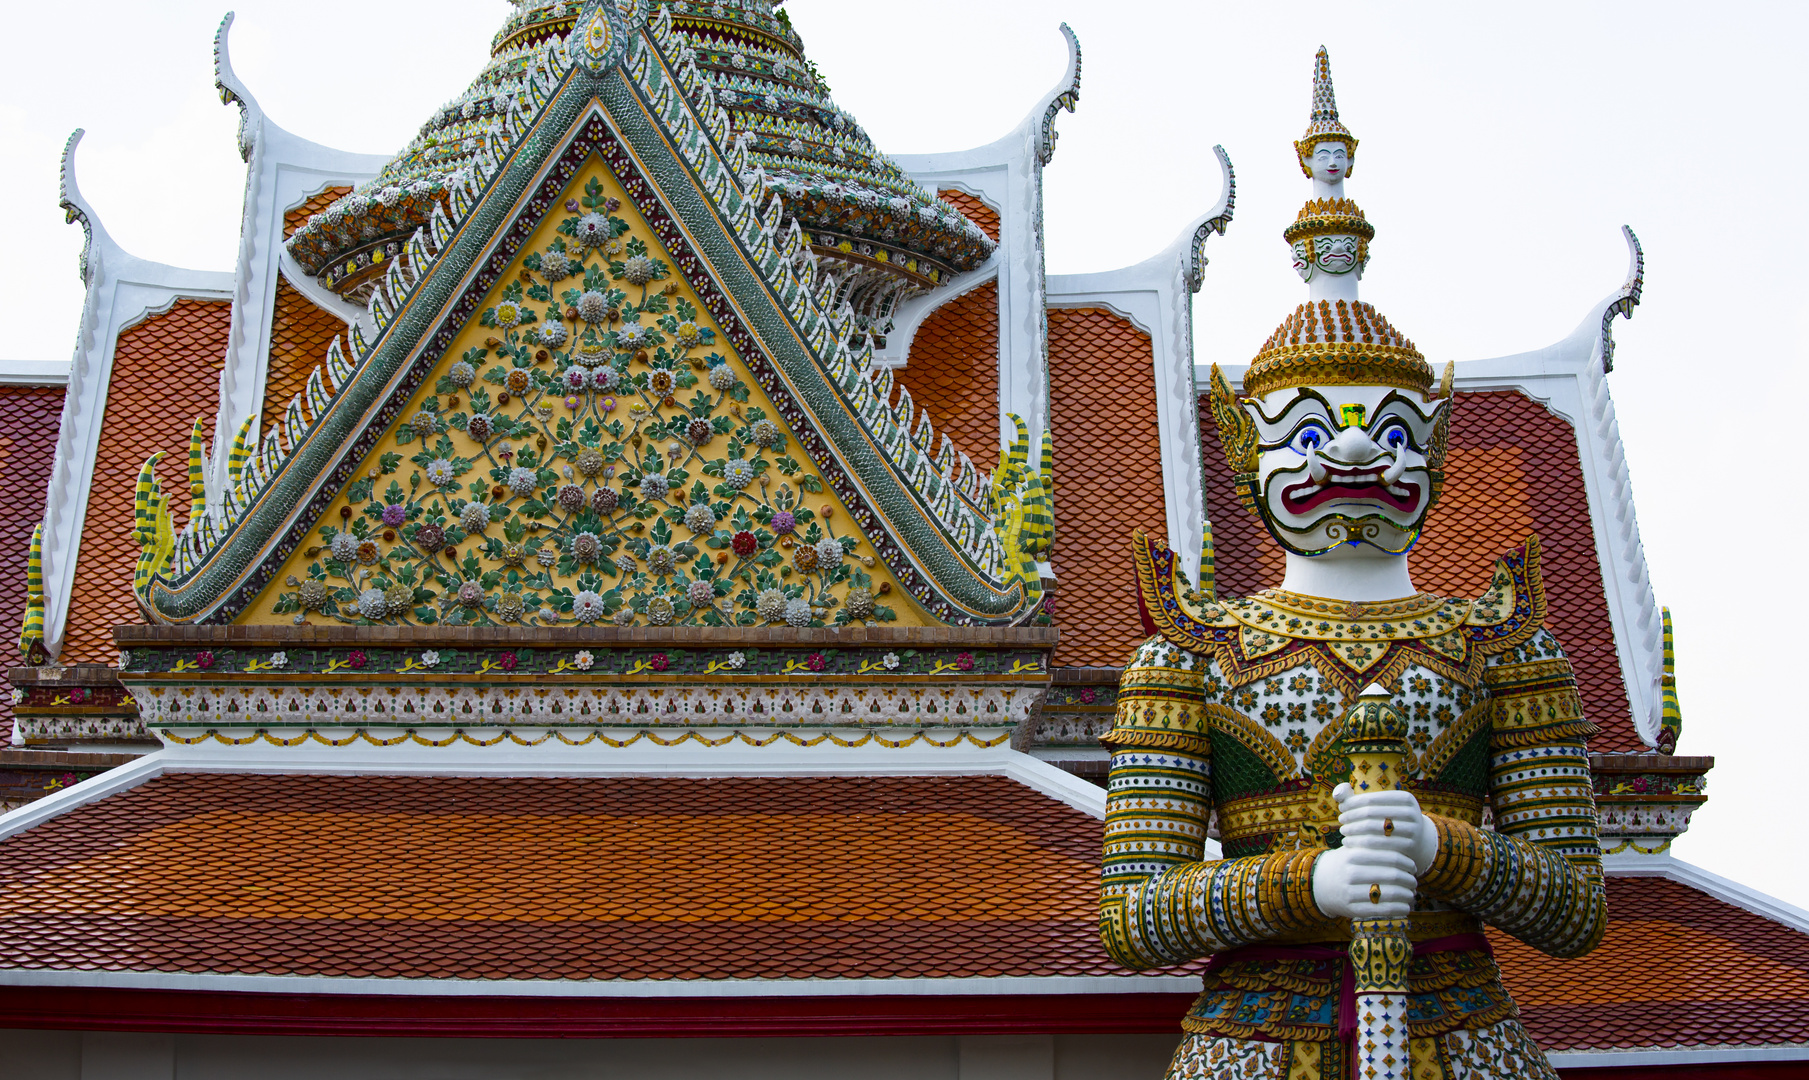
76	208
1216	221
233	92
1323	124
1628	299
1064	96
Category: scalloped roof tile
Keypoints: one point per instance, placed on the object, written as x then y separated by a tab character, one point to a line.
31	417
1108	478
173	356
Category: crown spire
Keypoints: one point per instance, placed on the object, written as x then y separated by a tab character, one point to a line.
1323	125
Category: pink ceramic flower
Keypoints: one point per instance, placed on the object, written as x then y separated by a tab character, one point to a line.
204	660
964	661
356	659
658	662
507	661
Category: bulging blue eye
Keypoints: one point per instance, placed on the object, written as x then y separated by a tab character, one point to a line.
1310	437
1395	438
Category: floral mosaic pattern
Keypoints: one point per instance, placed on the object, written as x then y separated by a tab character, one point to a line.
594	461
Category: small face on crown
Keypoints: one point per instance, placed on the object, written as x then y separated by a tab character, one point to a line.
1330	162
1346	465
1338	253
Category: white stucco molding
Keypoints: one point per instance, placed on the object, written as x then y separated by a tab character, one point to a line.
1677	1055
120	290
1157	296
553	759
282	171
34	373
1723	889
1570	378
1008	175
615	988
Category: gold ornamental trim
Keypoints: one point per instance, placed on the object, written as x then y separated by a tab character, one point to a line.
1338	363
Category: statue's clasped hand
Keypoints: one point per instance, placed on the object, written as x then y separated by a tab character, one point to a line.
1388	843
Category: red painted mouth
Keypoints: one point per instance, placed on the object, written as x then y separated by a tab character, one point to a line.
1350	485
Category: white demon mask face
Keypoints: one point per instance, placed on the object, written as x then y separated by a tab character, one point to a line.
1347	465
1339	253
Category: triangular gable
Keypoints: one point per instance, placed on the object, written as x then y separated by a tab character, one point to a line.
928	512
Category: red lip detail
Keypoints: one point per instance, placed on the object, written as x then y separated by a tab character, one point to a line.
1344	485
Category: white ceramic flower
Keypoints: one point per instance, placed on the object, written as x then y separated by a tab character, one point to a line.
891	661
280	659
430	658
734	660
125	659
583	660
18	696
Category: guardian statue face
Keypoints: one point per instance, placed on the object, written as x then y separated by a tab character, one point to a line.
1330	162
1347	465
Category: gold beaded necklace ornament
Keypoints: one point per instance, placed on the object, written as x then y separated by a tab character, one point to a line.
1375	740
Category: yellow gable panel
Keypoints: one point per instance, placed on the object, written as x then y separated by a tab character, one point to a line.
590	450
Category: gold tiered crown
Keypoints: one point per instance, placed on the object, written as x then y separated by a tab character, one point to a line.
1337	344
1324	125
1329	217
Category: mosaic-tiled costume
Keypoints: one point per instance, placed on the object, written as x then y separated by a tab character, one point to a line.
1233	712
1232	708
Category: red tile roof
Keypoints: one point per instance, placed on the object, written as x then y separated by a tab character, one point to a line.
953	372
978	210
296	217
700	879
1512	470
30	419
631	878
299	336
1108	478
166	372
1677	968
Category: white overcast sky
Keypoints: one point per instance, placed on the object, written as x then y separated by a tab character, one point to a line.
1502	148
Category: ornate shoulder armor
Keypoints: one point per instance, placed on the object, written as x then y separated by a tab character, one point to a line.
1171	606
1513	609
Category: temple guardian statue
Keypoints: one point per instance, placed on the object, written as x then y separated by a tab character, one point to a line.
1246	711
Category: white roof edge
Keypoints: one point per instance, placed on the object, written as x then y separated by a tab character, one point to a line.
1156	295
120	289
1726	890
1677	1055
612	988
34	373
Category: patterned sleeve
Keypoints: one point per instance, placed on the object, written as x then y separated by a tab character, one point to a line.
1159	902
1538	875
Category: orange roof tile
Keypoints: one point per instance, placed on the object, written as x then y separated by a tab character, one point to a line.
978	210
313	204
538	878
953	372
299	336
30	419
1108	478
1677	968
166	371
1512	470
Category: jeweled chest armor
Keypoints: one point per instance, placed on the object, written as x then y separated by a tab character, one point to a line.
1276	758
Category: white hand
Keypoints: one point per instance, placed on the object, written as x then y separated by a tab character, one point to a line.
1363	883
1387	820
1387	843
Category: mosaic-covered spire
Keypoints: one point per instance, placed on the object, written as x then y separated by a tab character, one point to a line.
1323	125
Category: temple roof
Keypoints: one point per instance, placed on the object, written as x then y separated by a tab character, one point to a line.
560	878
853	202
